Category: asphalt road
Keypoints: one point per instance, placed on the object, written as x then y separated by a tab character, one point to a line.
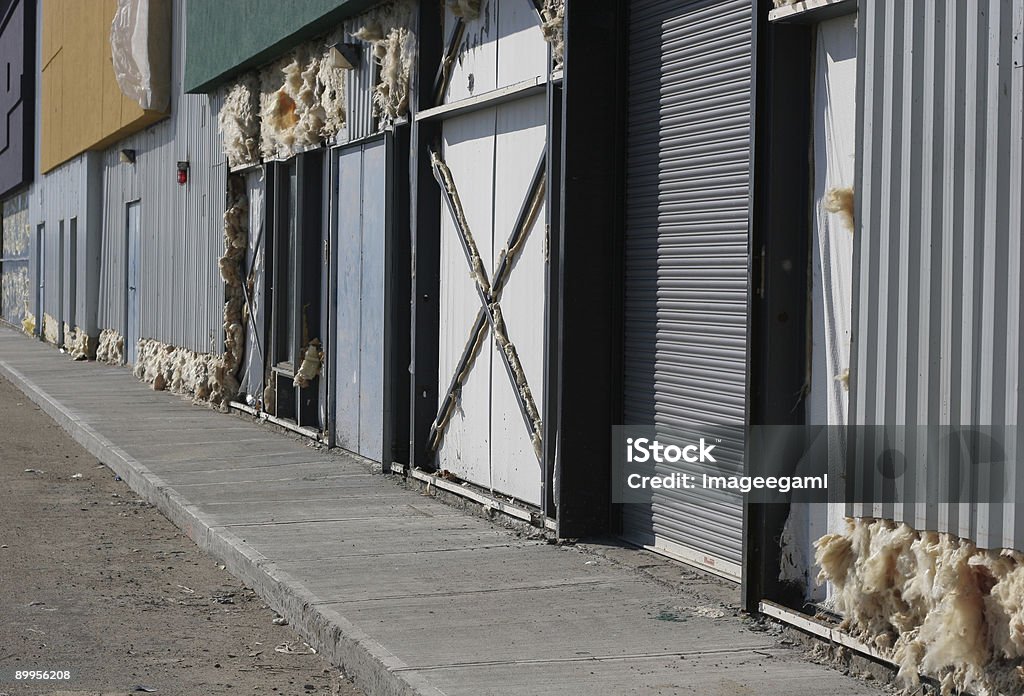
97	586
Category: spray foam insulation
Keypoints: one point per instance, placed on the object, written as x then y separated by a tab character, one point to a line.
239	122
467	9
301	100
51	329
840	201
28	324
232	267
388	30
310	367
290	117
934	603
14	292
110	348
553	26
298	102
182	371
79	344
330	89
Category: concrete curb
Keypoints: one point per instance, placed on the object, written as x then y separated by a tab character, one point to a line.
369	664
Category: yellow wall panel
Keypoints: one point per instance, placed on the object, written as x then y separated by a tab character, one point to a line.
83	107
53	28
110	93
51	98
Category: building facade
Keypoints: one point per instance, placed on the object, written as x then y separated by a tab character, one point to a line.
465	240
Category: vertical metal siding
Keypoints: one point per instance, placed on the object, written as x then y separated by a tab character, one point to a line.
686	249
937	298
64	193
359	85
56	196
181	294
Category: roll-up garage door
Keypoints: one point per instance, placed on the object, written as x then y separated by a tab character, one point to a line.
686	258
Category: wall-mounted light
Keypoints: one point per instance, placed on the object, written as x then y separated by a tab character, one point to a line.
182	173
127	156
345	55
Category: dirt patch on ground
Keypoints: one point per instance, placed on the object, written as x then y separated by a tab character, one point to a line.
96	582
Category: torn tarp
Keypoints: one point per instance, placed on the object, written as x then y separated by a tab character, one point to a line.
140	48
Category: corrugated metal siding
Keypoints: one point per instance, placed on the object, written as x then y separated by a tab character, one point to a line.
55	197
359	85
182	294
65	193
937	302
686	250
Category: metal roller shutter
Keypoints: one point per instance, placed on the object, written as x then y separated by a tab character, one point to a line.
686	255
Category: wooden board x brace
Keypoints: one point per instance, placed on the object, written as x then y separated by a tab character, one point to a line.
489	314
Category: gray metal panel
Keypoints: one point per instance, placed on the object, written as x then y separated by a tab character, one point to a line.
18	125
686	250
54	197
181	293
371	342
359	252
937	297
347	255
359	87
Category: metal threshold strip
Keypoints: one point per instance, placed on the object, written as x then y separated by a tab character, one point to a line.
535	85
828	632
521	513
288	425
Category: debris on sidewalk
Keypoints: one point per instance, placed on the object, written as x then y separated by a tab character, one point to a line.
295	649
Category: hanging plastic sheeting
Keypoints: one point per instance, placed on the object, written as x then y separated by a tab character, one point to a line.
255	279
140	47
835	143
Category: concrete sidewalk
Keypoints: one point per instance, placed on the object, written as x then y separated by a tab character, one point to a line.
405	593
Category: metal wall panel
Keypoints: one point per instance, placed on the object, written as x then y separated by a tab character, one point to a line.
71	192
360	253
688	162
56	197
359	86
181	294
937	296
17	128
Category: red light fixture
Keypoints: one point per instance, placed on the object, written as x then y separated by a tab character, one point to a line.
182	173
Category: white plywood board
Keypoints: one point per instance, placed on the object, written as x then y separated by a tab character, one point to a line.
522	50
520	141
493	155
469	154
502	46
476	67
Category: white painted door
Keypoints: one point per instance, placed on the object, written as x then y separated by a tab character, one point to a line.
493	155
